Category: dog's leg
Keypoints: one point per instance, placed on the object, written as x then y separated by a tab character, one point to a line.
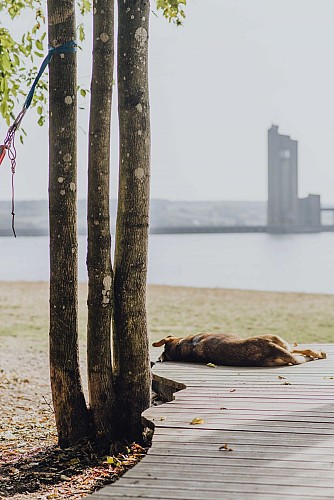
311	353
279	341
283	357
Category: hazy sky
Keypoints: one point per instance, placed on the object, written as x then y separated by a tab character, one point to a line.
217	84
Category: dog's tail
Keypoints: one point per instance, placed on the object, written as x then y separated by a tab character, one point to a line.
163	341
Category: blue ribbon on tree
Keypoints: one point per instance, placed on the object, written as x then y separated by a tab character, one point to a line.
70	46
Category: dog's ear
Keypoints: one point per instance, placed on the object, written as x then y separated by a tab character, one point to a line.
164	341
160	342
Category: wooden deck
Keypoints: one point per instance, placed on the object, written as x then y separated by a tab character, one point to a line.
267	433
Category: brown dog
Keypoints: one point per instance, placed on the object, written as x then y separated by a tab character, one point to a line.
229	349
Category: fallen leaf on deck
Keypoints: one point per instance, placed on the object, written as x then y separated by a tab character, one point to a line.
225	448
212	365
232	390
197	421
280	377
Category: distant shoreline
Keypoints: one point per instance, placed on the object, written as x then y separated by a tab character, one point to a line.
31	232
166	217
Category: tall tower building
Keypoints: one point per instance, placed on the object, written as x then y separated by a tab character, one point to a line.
282	181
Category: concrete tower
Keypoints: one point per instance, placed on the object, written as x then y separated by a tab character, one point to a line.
282	181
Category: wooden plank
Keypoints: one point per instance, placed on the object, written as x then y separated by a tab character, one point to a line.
228	407
253	492
242	409
250	405
226	459
160	494
223	415
256	430
267	392
200	435
213	421
234	478
239	443
195	371
235	392
323	377
209	449
232	473
253	428
217	487
290	455
248	373
236	417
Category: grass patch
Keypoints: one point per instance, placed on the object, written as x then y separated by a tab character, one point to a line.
307	318
297	317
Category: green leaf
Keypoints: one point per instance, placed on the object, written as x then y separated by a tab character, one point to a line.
5	63
81	30
39	44
3	107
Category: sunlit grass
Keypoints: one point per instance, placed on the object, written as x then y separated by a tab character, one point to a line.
295	316
180	311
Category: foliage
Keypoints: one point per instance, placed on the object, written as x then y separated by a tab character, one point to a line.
15	55
172	10
14	7
85	6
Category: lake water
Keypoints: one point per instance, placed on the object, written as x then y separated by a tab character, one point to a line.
303	262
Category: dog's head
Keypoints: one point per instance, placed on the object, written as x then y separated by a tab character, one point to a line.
169	342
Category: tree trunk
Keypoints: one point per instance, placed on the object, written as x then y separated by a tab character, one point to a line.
100	277
68	399
130	341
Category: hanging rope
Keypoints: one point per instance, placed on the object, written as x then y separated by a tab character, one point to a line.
9	142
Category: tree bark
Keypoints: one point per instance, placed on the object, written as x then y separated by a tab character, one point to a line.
100	276
68	399
130	340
